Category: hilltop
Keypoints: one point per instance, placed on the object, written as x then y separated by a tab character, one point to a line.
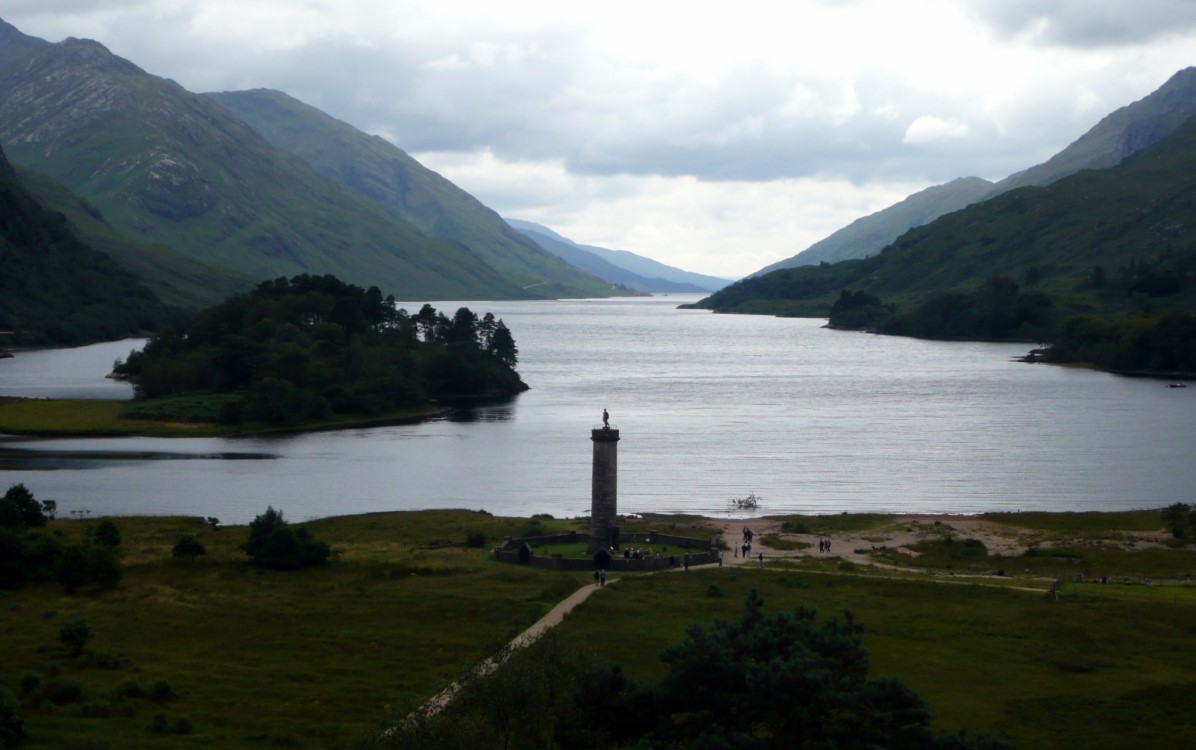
1122	133
166	167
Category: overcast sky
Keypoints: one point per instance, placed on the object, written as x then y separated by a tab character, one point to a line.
718	137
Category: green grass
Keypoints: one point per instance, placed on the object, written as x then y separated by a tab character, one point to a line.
984	657
317	658
312	658
94	418
827	524
1082	523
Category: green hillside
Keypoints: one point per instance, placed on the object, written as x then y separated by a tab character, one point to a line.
168	167
1109	242
388	176
176	278
56	290
1123	132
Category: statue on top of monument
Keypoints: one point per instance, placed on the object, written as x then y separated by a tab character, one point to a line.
605	420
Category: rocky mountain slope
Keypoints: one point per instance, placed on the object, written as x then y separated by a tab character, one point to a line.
1120	134
164	166
620	266
388	176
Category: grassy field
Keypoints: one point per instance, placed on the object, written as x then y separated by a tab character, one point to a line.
317	658
94	418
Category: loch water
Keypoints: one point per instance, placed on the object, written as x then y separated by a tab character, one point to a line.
709	408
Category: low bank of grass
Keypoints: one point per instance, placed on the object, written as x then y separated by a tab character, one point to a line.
829	524
1044	673
1087	559
306	659
317	658
168	417
1088	523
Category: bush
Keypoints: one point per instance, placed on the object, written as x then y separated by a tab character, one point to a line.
187	548
75	633
475	539
12	724
795	527
128	689
80	565
106	534
274	544
161	691
30	681
63	690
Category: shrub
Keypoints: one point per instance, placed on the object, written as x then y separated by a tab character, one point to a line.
187	548
30	681
714	591
274	544
475	539
75	633
795	527
161	691
63	690
12	724
106	534
128	689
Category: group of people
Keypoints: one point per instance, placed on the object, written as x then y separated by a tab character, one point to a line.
824	545
746	546
599	578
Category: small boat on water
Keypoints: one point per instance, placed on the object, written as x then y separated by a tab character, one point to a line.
751	501
1177	385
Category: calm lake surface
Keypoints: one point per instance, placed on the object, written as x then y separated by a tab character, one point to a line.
710	407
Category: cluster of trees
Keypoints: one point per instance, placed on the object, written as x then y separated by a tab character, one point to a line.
1150	343
998	310
29	555
1180	519
769	680
311	346
859	310
275	544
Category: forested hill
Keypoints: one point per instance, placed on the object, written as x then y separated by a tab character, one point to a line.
1110	242
56	290
312	347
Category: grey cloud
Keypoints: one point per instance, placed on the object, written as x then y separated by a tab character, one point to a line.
1088	23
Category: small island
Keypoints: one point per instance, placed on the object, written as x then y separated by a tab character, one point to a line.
314	347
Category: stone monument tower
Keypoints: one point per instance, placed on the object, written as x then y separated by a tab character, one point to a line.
604	492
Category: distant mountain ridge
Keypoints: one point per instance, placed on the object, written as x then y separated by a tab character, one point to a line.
869	234
1123	132
391	178
620	266
1110	242
166	167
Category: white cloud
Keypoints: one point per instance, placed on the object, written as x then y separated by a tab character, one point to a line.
649	117
931	129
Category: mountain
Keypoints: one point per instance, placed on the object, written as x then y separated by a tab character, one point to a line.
1118	135
620	266
56	290
164	166
388	176
867	235
177	279
1110	242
